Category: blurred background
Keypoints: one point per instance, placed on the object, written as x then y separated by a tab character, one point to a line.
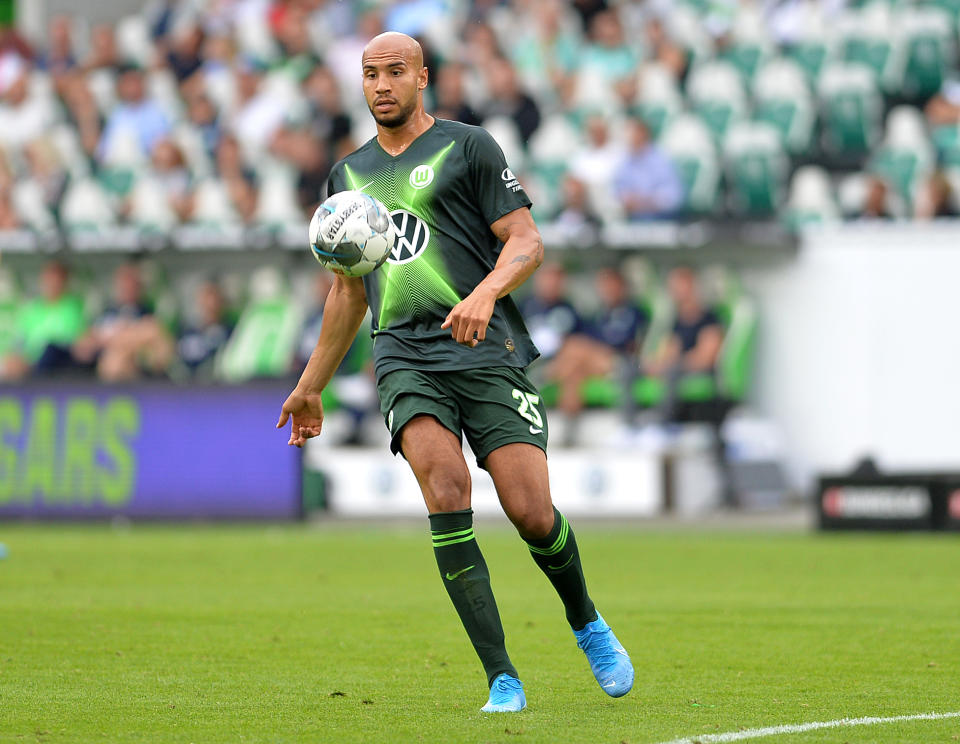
749	210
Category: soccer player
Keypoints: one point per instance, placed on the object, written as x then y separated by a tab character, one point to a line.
450	349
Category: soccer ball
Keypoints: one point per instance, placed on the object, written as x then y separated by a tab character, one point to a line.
351	233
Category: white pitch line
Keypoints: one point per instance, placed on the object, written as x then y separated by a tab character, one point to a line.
799	728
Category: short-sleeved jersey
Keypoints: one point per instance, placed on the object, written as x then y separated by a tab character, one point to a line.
443	192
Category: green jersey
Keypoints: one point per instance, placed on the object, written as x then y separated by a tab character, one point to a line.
443	192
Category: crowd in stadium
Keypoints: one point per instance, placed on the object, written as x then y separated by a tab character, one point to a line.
135	334
226	112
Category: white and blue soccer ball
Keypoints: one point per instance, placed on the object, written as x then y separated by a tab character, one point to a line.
352	233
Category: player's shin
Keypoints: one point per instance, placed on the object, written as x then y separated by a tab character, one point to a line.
467	580
559	559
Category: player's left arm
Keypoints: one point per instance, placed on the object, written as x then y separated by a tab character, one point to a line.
522	253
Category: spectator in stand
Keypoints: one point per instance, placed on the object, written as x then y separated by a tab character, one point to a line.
665	50
309	155
549	316
608	54
82	111
23	117
936	198
58	58
328	120
646	181
46	327
239	181
608	345
201	340
878	200
547	45
693	345
575	212
184	57
202	116
290	24
170	171
595	163
944	108
103	49
136	118
451	101
127	340
507	99
259	112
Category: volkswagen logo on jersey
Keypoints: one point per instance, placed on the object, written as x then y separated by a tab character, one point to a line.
413	235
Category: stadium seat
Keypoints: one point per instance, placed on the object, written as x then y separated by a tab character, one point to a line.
850	108
716	94
867	37
783	100
264	341
212	205
85	207
905	156
750	43
103	87
810	201
926	36
659	98
551	145
812	42
504	131
756	168
690	146
162	88
149	207
133	40
277	204
28	202
685	26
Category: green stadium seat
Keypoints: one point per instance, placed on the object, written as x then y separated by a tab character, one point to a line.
811	200
867	37
850	108
659	98
717	96
750	45
905	156
928	42
265	338
756	168
783	100
690	145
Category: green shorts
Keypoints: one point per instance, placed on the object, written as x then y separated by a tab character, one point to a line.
493	406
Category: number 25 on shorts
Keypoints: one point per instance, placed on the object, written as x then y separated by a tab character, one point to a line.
527	408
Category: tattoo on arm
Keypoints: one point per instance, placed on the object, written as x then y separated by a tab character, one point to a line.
521	259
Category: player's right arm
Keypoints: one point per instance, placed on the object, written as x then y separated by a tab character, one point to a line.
343	312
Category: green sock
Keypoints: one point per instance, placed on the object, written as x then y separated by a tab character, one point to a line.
467	580
559	559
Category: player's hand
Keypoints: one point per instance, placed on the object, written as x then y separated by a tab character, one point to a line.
468	319
307	413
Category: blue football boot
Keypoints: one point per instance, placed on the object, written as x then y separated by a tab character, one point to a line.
506	696
608	659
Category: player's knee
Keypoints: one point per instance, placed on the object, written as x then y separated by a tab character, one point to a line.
448	489
533	522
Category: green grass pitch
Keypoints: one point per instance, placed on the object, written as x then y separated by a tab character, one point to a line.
344	634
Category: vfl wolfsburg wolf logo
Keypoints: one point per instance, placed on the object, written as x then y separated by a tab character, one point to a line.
413	234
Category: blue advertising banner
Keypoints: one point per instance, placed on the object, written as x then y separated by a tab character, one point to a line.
150	451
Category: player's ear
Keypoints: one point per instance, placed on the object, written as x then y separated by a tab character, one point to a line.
424	77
